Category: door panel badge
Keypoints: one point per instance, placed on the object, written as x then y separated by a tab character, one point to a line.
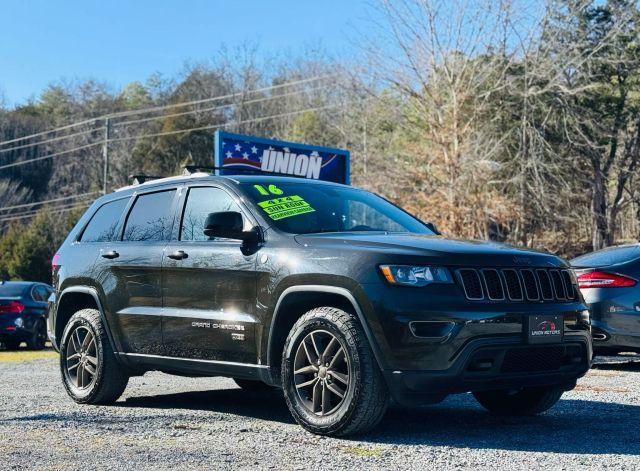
220	326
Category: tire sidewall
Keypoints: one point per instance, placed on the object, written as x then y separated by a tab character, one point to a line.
337	419
34	343
82	319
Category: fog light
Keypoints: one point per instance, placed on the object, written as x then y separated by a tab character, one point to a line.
19	322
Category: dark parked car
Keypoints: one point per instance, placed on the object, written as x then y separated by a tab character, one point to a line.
23	314
327	291
608	280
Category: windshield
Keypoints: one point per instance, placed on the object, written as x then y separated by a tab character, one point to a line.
305	208
608	256
12	290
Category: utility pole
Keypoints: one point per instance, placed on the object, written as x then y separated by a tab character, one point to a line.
105	154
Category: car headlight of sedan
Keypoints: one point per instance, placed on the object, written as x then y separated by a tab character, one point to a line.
410	275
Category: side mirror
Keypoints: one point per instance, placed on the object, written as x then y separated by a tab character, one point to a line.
228	225
432	227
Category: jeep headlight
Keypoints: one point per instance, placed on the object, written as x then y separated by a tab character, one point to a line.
410	275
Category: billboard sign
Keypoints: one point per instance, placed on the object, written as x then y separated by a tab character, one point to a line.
237	154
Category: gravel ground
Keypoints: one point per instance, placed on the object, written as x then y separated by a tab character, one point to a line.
165	422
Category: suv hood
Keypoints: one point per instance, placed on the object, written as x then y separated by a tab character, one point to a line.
455	252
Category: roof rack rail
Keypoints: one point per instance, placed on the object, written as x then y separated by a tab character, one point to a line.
191	169
140	179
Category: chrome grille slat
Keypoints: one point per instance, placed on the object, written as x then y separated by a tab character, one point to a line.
558	285
545	284
517	284
530	283
513	284
471	283
493	284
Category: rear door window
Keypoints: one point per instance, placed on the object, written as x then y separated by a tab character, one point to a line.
151	217
103	224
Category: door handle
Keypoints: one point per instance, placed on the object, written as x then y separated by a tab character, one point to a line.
178	255
111	254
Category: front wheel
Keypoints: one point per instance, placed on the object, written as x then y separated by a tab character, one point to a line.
527	401
90	372
330	378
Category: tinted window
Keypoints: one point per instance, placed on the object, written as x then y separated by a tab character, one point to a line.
303	208
103	224
13	290
608	256
150	218
200	203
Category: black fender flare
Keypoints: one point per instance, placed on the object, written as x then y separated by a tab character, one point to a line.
345	293
94	294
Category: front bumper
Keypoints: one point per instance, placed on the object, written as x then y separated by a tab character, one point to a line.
492	364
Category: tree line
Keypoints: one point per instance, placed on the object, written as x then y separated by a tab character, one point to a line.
488	119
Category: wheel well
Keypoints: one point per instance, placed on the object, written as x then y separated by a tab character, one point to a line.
294	306
68	306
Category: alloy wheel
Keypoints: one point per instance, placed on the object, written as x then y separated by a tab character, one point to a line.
81	358
321	372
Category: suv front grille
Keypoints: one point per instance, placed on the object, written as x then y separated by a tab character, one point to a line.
517	284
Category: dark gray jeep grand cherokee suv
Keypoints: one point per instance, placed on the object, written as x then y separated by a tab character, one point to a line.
329	292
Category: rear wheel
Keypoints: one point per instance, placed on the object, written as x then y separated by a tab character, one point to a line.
90	372
527	401
331	381
38	339
11	345
253	385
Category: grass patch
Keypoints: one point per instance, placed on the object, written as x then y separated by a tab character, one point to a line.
21	356
363	451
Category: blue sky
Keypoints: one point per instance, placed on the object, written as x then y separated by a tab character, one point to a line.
118	41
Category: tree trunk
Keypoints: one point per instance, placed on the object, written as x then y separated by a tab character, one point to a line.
599	209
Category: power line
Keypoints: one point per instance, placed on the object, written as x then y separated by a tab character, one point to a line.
54	211
54	139
217	98
45	157
44	133
168	133
153	118
164	107
223	125
53	200
219	107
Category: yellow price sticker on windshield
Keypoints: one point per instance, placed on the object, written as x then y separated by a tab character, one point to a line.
285	207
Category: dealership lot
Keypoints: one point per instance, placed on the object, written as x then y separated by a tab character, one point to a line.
167	422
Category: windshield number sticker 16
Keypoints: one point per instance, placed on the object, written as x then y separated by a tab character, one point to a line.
272	190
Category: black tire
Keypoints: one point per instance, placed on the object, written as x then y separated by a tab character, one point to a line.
528	401
364	397
11	345
38	339
109	379
253	385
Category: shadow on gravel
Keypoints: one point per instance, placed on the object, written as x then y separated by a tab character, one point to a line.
572	426
265	406
630	365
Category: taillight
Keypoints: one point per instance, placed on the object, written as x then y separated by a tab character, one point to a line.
603	279
14	307
56	261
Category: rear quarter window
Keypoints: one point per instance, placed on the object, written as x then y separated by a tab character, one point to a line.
103	224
